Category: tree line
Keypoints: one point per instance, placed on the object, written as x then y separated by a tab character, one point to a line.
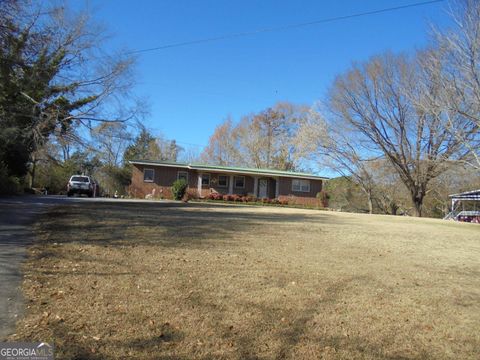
401	130
403	119
66	104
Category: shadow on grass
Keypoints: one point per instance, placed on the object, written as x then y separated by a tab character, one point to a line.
192	226
169	225
177	224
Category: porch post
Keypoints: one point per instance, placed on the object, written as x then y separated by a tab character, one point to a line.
277	187
230	185
199	185
255	186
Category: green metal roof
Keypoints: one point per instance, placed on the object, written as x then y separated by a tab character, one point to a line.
155	162
233	169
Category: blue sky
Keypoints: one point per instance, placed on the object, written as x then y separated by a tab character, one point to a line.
191	89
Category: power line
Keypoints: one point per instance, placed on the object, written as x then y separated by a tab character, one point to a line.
285	27
191	144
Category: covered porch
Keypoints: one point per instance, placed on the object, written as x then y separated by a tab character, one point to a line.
237	184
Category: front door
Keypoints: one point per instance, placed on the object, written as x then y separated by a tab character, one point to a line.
262	188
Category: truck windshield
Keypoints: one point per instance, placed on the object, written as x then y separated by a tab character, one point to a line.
80	179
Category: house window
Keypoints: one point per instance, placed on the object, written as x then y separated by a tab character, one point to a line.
148	175
301	185
205	179
222	181
182	175
239	182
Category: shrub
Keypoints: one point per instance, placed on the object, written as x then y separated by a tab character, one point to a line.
283	202
8	184
187	196
215	196
323	197
179	187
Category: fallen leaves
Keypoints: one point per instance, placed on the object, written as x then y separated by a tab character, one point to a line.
123	296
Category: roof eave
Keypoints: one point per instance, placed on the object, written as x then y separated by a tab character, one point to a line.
152	163
228	171
260	173
467	193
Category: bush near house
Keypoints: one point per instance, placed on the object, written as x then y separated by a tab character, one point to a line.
179	187
215	196
323	197
323	200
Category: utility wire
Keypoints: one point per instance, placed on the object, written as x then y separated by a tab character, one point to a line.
285	27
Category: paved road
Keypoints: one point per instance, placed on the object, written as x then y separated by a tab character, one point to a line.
16	216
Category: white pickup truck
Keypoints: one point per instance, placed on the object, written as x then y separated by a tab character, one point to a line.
80	184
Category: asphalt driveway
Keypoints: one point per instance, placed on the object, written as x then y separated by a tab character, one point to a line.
16	216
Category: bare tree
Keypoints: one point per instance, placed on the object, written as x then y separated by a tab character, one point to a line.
456	61
222	149
332	142
55	77
261	140
110	141
390	102
190	155
390	194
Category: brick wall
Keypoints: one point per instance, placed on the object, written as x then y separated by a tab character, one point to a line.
214	188
165	176
297	197
162	182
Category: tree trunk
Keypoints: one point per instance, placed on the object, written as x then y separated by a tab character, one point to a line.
370	203
393	208
32	172
417	205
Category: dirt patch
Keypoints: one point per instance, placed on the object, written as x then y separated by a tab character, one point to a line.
154	281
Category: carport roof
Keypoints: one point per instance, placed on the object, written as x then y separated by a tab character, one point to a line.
467	195
231	169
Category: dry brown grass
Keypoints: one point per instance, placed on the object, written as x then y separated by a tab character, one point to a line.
151	281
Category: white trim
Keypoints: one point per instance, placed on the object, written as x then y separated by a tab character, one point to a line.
159	164
230	185
300	190
209	179
184	172
246	172
199	184
153	177
257	173
218	181
235	183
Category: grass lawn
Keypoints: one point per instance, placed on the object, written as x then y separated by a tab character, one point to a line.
175	281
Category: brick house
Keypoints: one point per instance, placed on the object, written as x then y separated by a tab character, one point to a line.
300	188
